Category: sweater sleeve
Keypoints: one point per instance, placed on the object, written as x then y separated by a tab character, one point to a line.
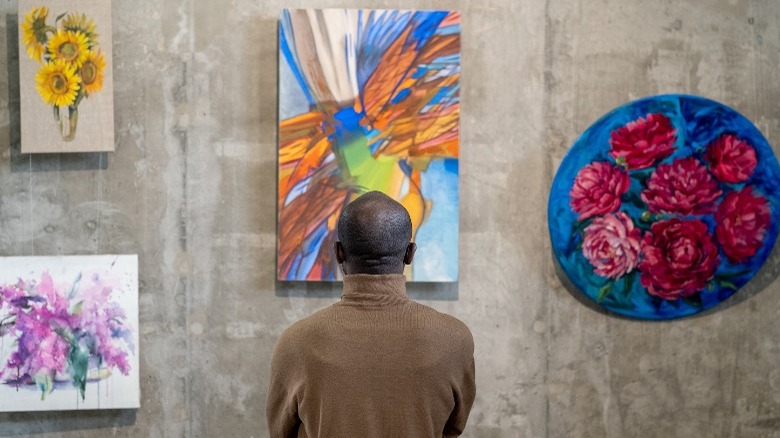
282	405
465	391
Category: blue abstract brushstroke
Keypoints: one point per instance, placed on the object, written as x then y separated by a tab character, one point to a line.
295	100
286	36
311	249
382	28
435	246
426	24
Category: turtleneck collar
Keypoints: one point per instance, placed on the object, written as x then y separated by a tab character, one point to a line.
366	289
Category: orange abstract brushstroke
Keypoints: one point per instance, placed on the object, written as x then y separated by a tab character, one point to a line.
441	45
408	129
310	161
414	127
302	125
418	207
391	70
302	148
319	205
451	19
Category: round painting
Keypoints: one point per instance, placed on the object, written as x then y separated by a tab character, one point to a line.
665	207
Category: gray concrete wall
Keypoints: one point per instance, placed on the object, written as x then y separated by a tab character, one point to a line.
191	189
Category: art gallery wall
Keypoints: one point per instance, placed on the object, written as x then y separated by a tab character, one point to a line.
191	189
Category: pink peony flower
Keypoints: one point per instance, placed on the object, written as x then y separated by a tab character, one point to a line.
683	187
611	245
678	258
742	220
642	142
597	189
731	160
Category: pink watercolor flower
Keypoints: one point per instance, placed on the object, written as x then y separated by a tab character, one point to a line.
731	160
47	322
742	221
679	258
612	244
597	189
642	142
682	187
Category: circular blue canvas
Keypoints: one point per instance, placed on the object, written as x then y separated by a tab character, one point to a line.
665	207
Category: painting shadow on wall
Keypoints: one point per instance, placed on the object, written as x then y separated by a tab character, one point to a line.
35	423
332	289
34	162
763	278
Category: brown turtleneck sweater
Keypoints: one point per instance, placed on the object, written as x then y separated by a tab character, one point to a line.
375	364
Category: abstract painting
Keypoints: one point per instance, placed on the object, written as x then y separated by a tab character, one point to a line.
665	207
368	100
69	333
66	85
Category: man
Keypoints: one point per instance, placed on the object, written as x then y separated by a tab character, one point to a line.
375	364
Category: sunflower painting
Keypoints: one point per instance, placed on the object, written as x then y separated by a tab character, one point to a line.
66	83
368	100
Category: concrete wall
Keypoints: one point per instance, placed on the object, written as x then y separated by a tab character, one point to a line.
191	189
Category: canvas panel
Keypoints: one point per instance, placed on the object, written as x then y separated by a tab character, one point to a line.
69	333
94	116
665	207
368	100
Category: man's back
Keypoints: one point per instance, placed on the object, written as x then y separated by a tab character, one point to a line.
374	364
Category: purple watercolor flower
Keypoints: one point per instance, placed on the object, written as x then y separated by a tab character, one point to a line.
69	329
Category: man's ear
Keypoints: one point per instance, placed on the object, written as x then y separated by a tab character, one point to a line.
409	256
338	249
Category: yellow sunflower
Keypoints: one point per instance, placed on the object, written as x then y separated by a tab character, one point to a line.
34	31
91	72
68	46
80	23
57	83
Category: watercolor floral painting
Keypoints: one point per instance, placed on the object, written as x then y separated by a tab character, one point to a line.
368	100
68	333
665	207
67	66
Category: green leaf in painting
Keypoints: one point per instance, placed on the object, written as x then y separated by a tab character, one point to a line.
59	17
74	287
636	200
628	284
45	383
578	227
78	361
641	175
728	284
693	300
603	292
577	230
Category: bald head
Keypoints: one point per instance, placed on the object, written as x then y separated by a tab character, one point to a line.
374	233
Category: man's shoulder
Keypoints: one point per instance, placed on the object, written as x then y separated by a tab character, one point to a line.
452	326
306	326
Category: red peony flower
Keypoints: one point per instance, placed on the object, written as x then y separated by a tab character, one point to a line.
678	258
683	187
611	245
742	220
640	143
731	160
597	189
